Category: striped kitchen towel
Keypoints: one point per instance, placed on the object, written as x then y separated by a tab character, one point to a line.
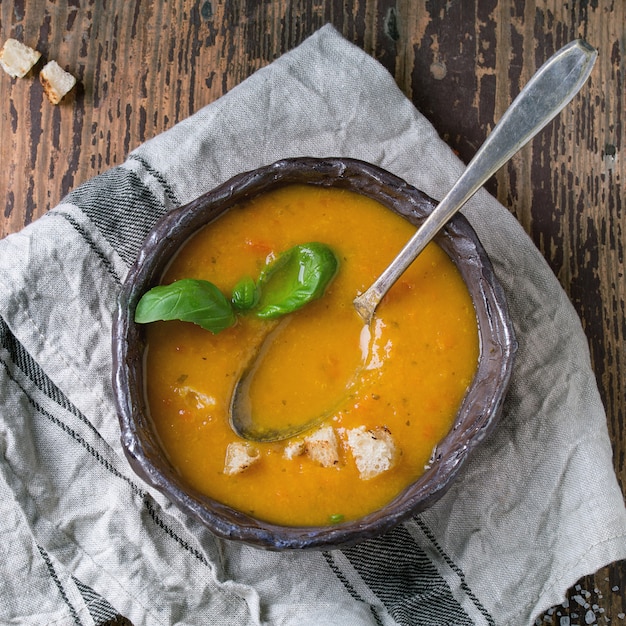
84	539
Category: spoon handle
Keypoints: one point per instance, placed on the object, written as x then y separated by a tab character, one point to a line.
556	82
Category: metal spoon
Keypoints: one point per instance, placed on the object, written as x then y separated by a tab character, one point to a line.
552	87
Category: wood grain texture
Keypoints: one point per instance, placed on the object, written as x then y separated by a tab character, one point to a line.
143	66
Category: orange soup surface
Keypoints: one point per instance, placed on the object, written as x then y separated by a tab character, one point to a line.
392	389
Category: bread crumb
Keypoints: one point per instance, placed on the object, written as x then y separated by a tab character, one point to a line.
322	446
17	59
374	450
294	449
195	398
239	457
56	81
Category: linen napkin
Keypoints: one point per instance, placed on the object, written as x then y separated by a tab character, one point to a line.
537	507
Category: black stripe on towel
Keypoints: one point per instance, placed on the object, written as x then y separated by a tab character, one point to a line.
348	585
100	609
25	363
457	570
121	207
169	192
55	578
88	239
20	358
406	581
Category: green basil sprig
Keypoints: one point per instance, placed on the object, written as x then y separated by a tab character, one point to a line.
295	278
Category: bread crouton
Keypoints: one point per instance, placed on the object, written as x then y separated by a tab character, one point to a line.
374	450
322	446
56	81
294	449
195	398
239	457
17	59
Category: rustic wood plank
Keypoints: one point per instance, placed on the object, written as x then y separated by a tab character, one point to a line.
143	66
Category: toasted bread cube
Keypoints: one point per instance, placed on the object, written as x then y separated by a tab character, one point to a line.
56	81
294	449
239	457
17	59
374	450
322	446
195	398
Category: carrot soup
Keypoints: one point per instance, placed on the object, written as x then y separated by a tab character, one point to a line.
389	391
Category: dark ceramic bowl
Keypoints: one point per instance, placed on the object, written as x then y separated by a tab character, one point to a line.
477	416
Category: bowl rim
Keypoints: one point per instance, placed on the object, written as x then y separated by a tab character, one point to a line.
484	398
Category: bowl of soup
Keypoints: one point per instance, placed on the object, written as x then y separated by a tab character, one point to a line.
389	411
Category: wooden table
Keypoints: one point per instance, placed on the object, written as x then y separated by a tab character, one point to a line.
143	66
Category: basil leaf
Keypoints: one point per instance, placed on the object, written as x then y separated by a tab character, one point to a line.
188	300
298	276
245	294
